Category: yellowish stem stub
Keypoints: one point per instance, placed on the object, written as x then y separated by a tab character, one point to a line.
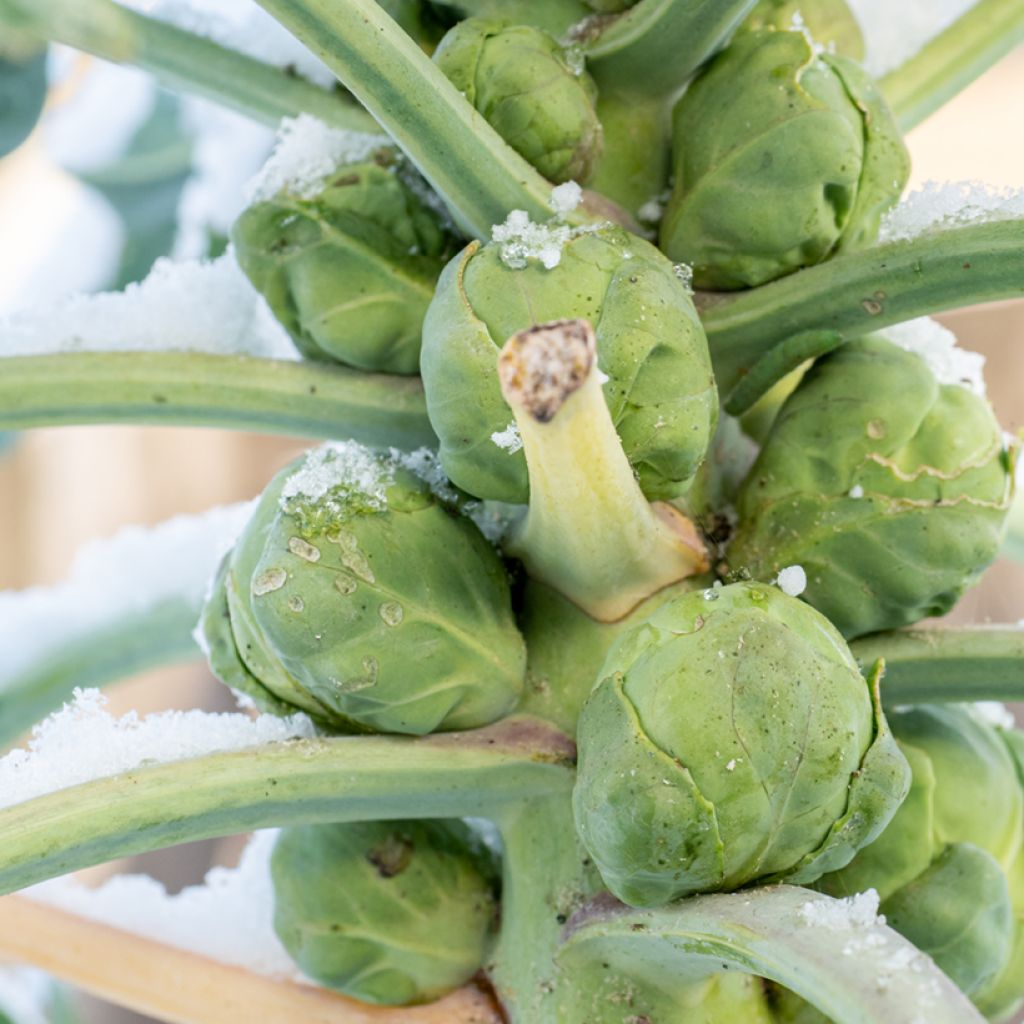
589	532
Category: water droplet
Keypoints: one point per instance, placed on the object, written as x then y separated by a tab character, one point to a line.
392	612
345	585
265	582
303	549
296	603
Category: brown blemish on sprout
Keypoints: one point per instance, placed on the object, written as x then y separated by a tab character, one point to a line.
539	368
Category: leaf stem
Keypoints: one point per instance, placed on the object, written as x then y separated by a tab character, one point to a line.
173	984
464	159
937	665
865	291
352	778
197	389
184	61
953	59
654	48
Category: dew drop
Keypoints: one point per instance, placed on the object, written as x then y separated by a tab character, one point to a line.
266	582
303	549
392	613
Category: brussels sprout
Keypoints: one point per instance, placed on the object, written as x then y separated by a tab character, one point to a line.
650	344
782	157
350	269
731	739
830	23
530	90
393	913
611	6
355	595
941	865
889	488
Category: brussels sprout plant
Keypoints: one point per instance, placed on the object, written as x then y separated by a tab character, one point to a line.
585	652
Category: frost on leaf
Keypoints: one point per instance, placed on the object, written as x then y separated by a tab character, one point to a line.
229	918
190	306
307	151
855	912
521	240
938	205
83	742
117	577
508	439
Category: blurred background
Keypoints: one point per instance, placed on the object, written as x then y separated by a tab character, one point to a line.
62	228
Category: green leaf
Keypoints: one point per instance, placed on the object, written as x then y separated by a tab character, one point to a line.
855	974
22	94
936	665
198	389
158	636
353	778
144	186
862	292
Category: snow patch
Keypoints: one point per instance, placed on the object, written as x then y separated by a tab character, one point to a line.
508	439
119	576
521	240
893	33
307	151
839	915
856	491
229	918
938	348
792	580
25	995
239	25
83	742
191	306
937	205
346	464
993	713
565	198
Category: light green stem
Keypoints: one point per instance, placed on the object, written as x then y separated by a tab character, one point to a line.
851	974
654	48
355	778
936	665
194	389
467	162
185	61
159	636
865	291
953	59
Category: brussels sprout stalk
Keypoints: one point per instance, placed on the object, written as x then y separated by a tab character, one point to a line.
589	532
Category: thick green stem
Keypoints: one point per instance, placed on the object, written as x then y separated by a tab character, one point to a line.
161	635
953	59
865	291
936	665
547	878
854	973
358	778
195	389
589	532
654	48
182	60
467	162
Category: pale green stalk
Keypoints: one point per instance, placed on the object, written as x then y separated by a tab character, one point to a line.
589	531
185	61
268	396
953	59
355	778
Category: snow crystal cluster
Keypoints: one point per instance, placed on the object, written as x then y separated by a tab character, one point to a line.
123	575
83	742
792	580
189	306
565	198
857	911
938	348
508	439
307	150
240	25
992	713
229	918
522	240
345	464
945	204
893	33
